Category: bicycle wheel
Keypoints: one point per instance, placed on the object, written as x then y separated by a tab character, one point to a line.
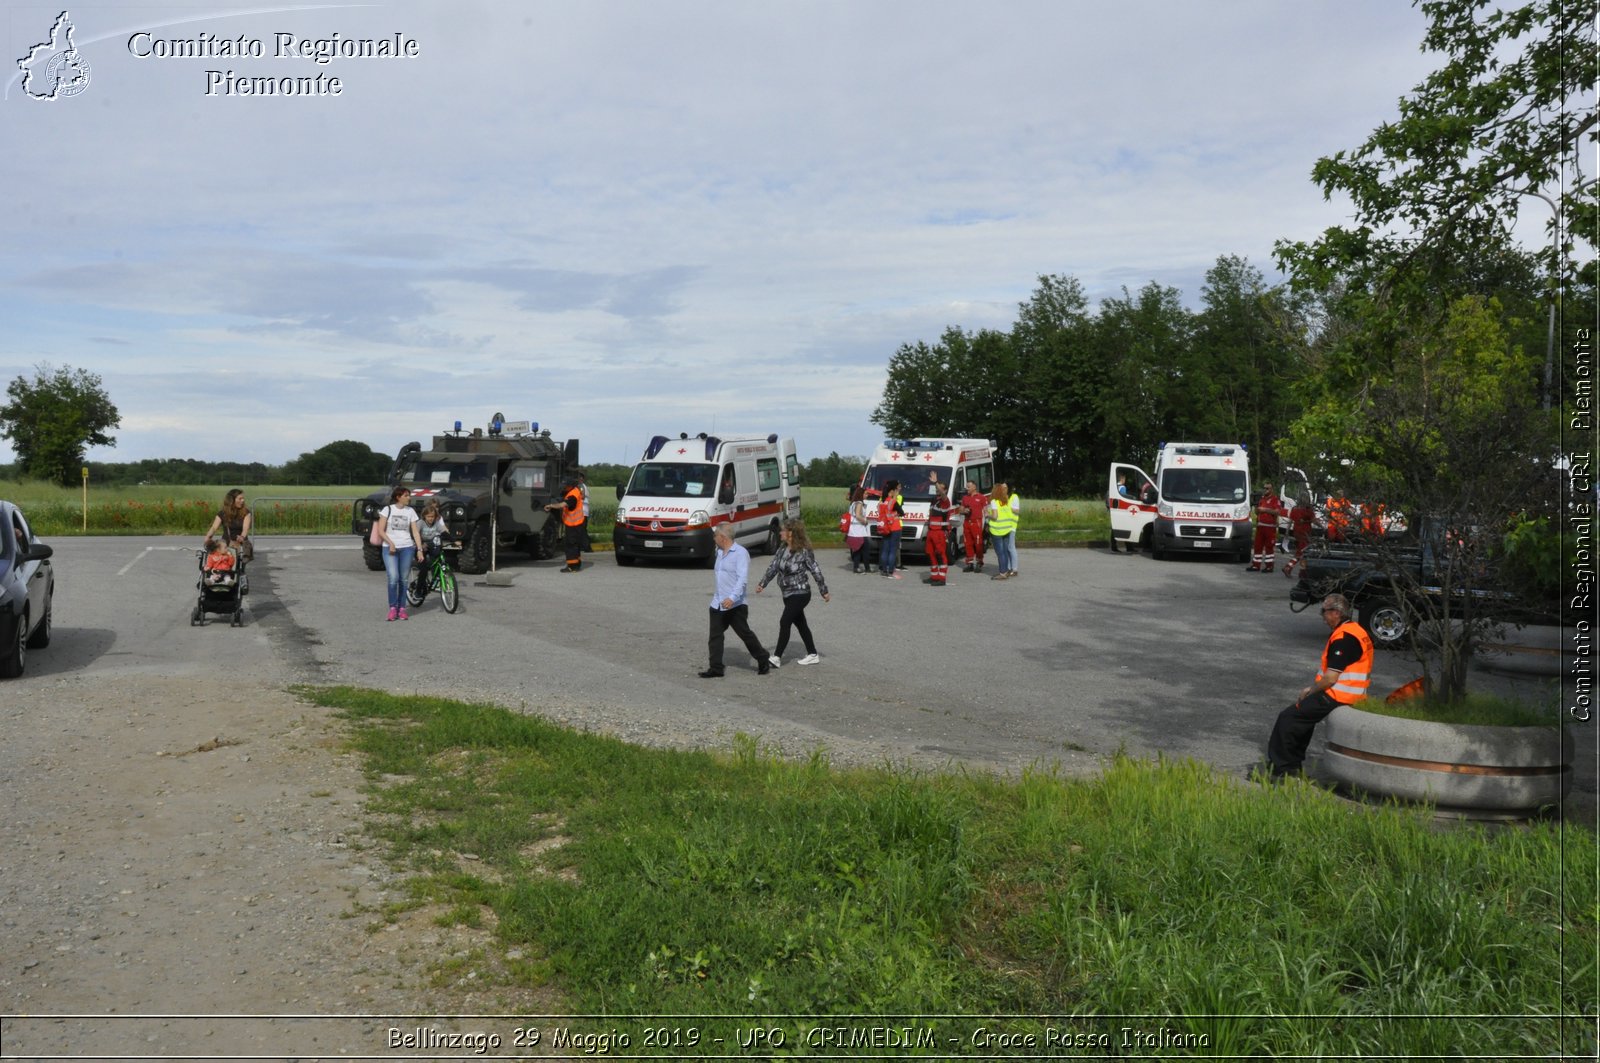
447	591
417	589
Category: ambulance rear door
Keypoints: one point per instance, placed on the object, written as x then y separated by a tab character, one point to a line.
1130	505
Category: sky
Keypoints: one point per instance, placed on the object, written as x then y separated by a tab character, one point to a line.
624	218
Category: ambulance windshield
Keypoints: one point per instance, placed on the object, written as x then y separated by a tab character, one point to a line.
1215	486
672	479
916	482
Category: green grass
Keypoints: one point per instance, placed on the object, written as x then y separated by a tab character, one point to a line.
1269	921
1484	710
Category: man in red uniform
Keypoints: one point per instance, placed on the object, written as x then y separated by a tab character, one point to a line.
1343	679
938	528
973	503
1300	516
1262	551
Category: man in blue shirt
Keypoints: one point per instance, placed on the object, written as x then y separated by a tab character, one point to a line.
728	608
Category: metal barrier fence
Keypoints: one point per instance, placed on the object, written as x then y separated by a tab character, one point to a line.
291	515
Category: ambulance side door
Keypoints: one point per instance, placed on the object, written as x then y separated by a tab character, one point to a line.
1130	504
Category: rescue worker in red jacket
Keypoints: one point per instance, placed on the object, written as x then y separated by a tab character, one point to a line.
938	531
1343	679
1300	517
974	503
1264	549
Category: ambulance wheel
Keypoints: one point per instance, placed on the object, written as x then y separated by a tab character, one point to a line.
1113	543
770	547
624	559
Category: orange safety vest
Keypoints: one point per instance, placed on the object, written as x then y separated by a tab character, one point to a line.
572	514
888	519
1354	680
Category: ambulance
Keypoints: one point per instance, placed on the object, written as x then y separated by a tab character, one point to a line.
917	464
1197	501
684	487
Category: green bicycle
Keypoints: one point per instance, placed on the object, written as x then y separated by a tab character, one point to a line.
437	575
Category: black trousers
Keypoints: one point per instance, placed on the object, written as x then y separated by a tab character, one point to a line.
1286	749
737	618
794	615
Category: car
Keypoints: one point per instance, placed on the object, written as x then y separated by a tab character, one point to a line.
27	591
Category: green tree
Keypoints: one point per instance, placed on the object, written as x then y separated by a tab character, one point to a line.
52	418
343	462
1503	117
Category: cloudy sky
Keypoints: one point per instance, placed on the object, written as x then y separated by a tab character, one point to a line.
627	217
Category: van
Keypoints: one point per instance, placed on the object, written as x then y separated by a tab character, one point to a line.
684	487
1197	501
917	463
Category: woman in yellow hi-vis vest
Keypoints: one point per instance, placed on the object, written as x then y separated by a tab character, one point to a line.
1005	512
1343	679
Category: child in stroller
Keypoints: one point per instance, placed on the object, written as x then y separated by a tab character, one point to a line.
222	583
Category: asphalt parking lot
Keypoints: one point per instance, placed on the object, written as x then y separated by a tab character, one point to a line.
1087	653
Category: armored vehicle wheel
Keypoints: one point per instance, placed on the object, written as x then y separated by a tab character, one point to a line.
373	556
474	557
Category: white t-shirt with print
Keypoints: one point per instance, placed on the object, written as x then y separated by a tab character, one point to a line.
399	521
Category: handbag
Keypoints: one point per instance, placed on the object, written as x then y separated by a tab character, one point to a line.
375	536
844	523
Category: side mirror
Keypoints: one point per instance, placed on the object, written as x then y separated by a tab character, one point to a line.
38	552
619	491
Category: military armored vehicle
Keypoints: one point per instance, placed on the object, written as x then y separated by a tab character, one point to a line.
491	486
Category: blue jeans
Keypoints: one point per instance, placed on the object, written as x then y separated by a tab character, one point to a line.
397	567
1005	551
889	553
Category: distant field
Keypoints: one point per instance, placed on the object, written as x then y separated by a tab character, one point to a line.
155	509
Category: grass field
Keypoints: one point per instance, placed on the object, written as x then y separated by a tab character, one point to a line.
290	510
1234	920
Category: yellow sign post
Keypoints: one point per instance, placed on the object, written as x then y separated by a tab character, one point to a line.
85	471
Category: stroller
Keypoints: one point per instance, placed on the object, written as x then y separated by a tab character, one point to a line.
222	590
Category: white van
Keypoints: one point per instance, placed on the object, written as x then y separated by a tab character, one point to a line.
1198	500
683	487
917	463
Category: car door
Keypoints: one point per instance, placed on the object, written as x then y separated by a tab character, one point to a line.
1131	505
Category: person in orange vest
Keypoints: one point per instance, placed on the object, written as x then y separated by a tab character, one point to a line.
1338	518
571	509
890	515
1264	549
1343	679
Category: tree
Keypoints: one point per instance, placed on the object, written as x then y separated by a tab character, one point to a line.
52	418
1504	117
343	462
1451	436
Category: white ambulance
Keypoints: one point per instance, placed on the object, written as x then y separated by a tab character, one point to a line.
916	464
1198	500
685	486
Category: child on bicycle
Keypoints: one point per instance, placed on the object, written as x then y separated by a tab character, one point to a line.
433	531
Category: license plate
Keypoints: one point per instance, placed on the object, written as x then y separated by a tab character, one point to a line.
1202	544
653	544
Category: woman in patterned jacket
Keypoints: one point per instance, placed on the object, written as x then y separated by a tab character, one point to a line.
792	564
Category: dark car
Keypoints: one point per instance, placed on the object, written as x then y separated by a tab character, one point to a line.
27	586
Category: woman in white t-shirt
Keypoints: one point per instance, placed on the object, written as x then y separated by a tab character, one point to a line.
401	541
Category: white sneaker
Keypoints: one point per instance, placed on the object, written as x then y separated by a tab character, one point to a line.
810	658
773	660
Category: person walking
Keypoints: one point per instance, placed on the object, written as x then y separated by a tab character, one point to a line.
234	520
859	531
1264	549
1343	679
890	514
401	543
939	511
1300	517
574	516
792	565
728	608
974	504
1005	510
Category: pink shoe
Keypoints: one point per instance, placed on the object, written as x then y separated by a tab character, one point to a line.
403	615
393	612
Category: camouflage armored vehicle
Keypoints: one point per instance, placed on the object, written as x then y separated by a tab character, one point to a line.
491	485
